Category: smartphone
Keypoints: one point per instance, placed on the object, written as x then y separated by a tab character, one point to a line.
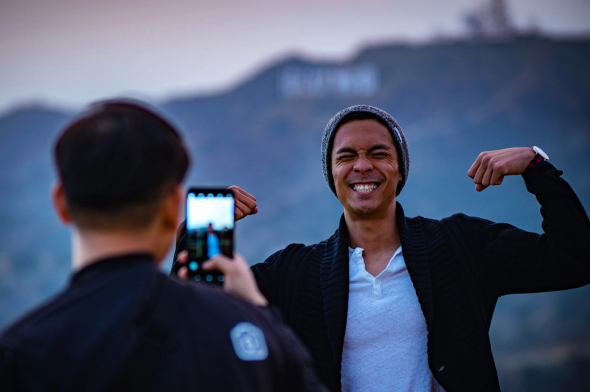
209	230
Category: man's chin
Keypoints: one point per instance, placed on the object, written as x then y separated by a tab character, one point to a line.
364	211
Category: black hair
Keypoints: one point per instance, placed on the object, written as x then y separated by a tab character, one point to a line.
116	163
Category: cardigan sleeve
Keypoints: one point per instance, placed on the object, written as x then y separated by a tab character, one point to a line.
276	274
517	261
180	246
265	275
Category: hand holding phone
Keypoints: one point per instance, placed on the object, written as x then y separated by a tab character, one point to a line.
238	277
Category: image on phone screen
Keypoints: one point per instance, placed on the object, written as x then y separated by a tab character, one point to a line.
210	230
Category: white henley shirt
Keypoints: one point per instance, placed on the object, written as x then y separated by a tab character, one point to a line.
385	343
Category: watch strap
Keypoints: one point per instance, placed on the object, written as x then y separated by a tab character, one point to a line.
537	160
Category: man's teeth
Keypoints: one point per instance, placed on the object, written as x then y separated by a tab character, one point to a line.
364	188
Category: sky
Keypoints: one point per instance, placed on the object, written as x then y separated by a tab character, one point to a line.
67	53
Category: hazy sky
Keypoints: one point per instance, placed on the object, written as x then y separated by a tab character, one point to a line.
70	52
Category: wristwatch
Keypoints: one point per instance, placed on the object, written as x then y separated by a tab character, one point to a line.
539	158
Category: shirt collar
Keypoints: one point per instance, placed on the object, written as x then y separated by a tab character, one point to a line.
356	263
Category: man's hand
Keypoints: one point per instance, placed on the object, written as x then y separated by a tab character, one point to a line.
238	278
490	167
245	203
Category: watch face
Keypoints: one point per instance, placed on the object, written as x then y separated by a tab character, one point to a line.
541	152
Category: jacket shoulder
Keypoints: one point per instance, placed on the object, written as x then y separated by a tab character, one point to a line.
293	253
26	327
286	268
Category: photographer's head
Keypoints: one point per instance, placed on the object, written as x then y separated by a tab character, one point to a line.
120	168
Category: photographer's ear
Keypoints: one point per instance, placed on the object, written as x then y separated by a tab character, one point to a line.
171	208
58	198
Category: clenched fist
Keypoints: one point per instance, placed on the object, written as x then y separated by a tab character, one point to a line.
245	203
491	167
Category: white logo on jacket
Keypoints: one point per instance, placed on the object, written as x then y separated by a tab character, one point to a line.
249	343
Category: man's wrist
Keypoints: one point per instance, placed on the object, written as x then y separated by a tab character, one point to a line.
539	158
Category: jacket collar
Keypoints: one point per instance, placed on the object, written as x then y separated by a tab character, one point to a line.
113	265
334	283
415	250
334	276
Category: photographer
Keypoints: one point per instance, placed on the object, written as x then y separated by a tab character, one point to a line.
121	324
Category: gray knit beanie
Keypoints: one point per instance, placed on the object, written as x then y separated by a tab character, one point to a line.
392	125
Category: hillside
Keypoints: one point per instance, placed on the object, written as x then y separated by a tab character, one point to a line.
453	100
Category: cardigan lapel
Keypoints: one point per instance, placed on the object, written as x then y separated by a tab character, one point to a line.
334	283
415	253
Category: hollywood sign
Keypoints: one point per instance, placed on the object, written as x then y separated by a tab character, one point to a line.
318	82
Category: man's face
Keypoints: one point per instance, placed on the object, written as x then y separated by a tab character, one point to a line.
365	168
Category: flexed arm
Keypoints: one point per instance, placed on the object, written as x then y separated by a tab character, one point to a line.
517	261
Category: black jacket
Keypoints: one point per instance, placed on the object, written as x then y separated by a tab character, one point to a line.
459	267
123	325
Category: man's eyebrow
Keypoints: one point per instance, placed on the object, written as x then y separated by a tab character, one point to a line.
346	150
379	147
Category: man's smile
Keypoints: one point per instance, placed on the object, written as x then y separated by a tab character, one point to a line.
365	187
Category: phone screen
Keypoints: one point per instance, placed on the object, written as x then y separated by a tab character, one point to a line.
210	230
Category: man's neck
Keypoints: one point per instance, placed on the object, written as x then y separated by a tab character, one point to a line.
377	235
90	247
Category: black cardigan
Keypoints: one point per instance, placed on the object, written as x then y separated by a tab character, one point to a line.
459	267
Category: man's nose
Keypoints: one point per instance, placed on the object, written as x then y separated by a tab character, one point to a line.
363	164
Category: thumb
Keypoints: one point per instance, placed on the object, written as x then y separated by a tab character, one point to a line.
220	262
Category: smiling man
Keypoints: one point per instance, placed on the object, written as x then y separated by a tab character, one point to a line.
391	303
385	337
